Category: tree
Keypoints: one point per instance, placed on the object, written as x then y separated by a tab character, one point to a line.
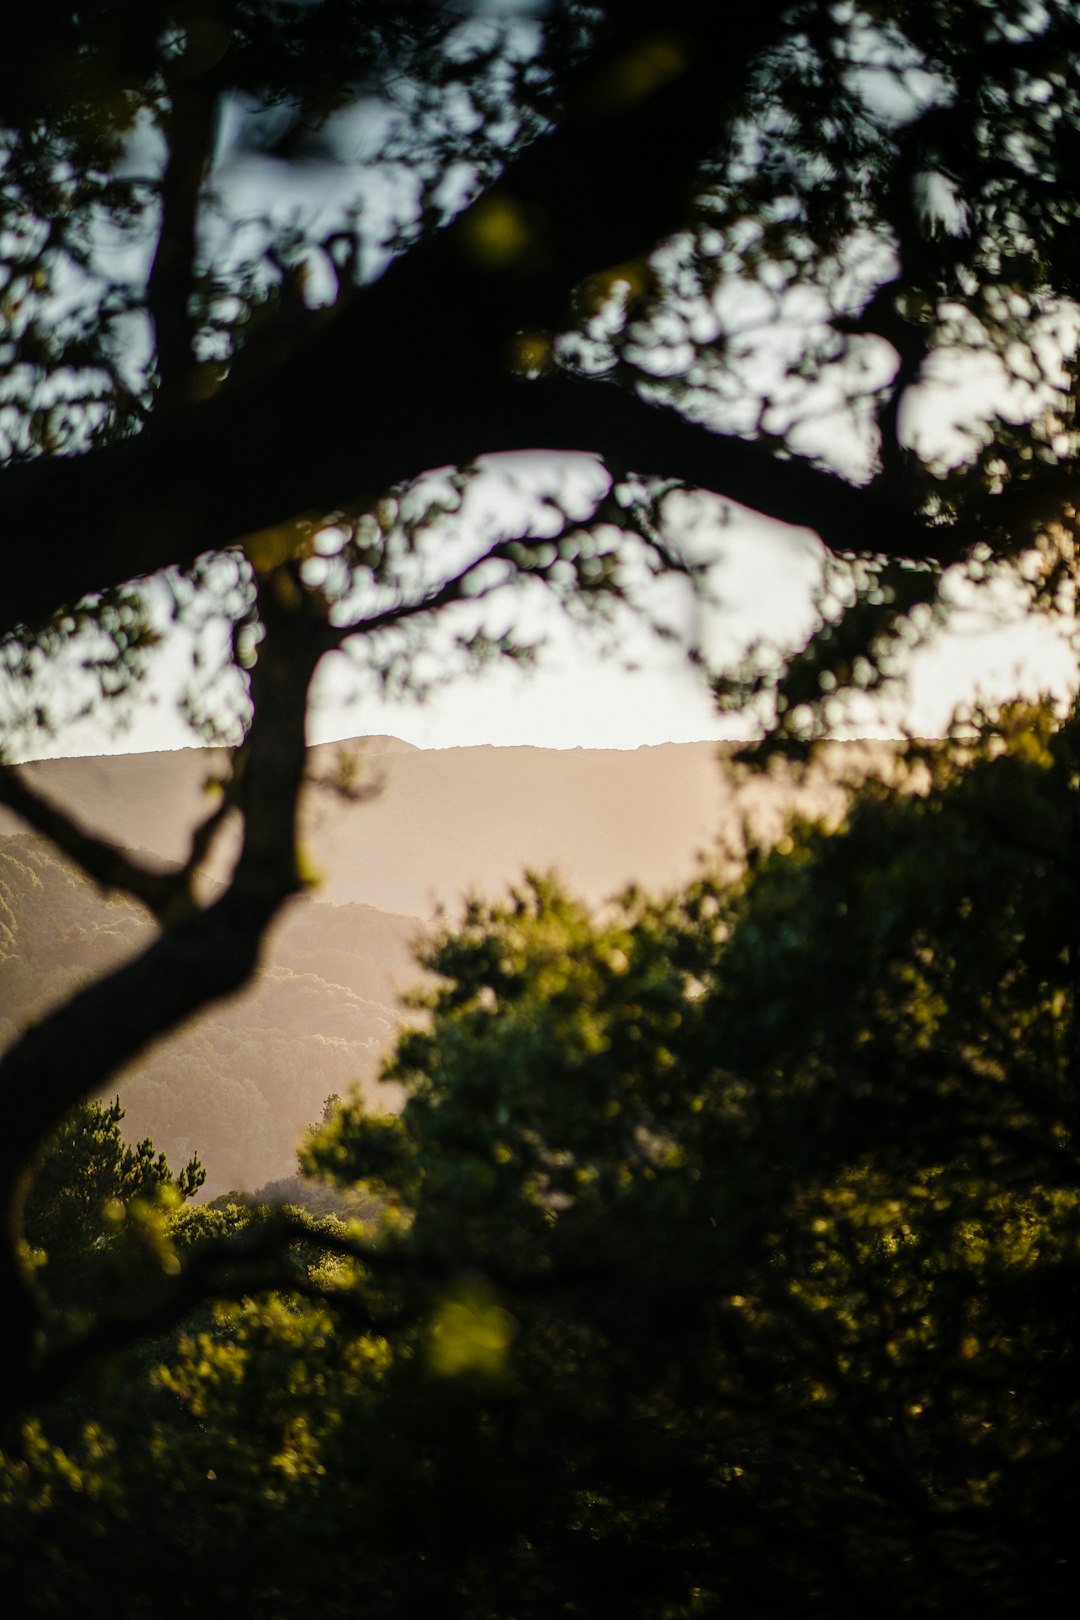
98	1227
728	1250
252	405
88	1177
777	1184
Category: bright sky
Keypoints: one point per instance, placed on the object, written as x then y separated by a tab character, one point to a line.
629	688
585	693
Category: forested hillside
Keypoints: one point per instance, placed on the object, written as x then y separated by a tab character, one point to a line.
240	1085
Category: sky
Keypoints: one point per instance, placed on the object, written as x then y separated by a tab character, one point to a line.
628	689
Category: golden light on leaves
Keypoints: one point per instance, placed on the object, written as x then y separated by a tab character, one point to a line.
286	589
308	870
641	72
629	281
267	549
530	353
496	231
470	1333
206	380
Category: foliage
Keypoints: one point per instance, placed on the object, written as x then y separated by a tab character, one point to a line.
87	1180
727	1239
734	254
54	931
777	1181
727	1246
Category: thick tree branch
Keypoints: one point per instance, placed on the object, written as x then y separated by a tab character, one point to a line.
412	373
198	958
631	435
99	858
189	134
166	893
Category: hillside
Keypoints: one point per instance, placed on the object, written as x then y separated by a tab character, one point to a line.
239	1085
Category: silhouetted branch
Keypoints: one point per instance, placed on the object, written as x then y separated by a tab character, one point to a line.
243	1264
431	339
199	956
189	133
103	861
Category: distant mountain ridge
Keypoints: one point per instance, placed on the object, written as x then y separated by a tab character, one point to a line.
239	1084
450	821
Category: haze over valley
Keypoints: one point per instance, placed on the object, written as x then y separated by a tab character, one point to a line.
240	1085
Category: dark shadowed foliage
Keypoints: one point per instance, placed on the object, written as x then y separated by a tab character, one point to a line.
723	1244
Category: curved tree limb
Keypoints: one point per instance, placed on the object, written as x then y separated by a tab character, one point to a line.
414	371
200	955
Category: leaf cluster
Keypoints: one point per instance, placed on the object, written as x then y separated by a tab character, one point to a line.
726	1250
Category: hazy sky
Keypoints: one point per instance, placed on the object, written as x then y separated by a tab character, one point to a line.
584	694
629	688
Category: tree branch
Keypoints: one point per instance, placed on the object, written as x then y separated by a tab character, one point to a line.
413	372
189	134
199	957
245	1263
99	858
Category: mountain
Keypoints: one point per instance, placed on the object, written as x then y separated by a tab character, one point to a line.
239	1084
444	822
